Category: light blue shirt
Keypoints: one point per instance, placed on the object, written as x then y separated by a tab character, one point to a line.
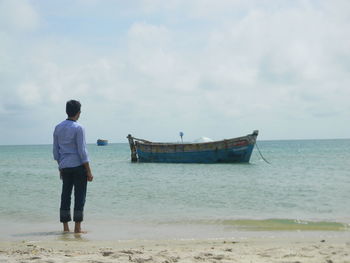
69	145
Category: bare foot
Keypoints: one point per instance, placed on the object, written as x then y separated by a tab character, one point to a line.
77	228
65	227
79	232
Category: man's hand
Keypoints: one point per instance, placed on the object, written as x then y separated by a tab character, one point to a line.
89	176
88	172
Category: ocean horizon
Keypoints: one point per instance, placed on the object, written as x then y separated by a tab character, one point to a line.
194	141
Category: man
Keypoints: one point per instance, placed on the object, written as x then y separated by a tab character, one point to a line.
69	150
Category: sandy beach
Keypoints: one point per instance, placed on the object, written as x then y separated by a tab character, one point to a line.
75	249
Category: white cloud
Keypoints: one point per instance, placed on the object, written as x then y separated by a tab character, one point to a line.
17	15
28	93
258	65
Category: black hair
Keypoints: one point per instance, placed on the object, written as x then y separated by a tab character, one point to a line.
72	107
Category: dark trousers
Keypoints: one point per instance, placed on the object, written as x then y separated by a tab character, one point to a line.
73	177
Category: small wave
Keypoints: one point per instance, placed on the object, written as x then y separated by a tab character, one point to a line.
286	225
273	224
52	233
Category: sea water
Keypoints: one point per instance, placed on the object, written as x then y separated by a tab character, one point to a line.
306	187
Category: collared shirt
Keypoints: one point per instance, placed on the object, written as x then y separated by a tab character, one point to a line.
69	145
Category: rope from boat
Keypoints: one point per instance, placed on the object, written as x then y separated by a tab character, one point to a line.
261	154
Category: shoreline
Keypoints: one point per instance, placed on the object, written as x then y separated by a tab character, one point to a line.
253	249
120	231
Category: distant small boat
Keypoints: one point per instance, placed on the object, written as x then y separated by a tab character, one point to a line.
235	150
101	142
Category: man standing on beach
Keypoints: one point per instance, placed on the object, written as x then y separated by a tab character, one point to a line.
69	150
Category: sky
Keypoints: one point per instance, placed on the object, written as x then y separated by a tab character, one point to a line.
153	68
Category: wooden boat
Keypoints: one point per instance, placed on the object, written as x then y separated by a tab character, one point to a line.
235	150
101	142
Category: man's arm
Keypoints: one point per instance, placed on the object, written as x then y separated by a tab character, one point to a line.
81	146
81	143
56	152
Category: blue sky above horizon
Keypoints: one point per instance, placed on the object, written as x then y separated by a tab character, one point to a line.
152	68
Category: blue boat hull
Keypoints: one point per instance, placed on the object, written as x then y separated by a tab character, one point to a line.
232	155
102	142
235	150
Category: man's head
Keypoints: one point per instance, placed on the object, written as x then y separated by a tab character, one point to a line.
73	108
